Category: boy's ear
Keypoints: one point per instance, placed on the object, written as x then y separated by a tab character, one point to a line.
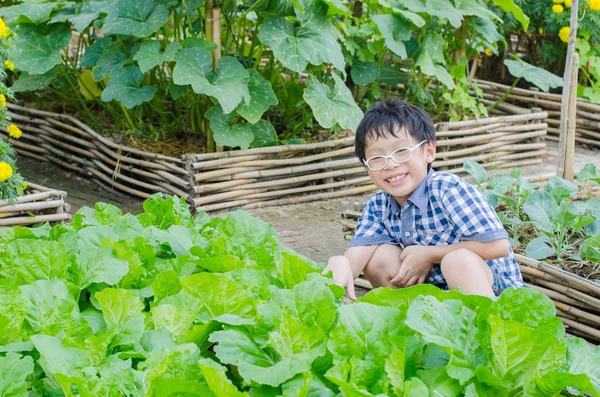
430	151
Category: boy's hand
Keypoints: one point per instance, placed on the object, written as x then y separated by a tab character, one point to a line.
416	264
342	274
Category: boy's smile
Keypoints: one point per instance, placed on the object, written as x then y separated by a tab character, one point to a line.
400	179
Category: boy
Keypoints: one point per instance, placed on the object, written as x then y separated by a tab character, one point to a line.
424	226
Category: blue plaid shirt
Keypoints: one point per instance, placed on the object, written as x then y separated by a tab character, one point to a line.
443	210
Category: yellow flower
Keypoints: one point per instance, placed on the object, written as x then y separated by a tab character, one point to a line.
488	52
14	131
568	3
564	34
594	5
558	1
4	30
25	185
9	65
557	9
6	171
541	30
2	101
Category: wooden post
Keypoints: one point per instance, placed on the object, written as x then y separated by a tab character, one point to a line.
569	159
216	35
567	92
208	35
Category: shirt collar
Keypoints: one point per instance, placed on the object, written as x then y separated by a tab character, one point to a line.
418	197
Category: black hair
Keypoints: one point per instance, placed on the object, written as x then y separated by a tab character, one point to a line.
391	117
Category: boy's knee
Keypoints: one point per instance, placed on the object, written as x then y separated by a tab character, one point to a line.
460	261
385	261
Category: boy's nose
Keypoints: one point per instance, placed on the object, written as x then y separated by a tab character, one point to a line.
391	165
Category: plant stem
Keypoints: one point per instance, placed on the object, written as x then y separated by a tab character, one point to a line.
129	120
506	94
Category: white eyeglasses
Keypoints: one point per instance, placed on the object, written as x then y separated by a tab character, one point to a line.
401	155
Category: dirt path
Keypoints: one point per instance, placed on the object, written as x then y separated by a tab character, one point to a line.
312	229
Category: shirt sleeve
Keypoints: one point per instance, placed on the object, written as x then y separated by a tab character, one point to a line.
371	230
471	215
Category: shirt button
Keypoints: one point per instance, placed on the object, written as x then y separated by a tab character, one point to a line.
407	234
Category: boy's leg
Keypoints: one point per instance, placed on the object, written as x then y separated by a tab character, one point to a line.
383	266
465	269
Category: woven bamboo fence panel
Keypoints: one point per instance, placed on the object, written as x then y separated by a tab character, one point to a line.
64	140
521	100
577	299
300	173
264	176
39	204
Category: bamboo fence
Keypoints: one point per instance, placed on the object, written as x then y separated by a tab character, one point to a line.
264	176
69	143
294	174
521	100
38	205
577	299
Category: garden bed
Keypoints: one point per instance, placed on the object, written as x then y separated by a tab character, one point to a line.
261	177
38	205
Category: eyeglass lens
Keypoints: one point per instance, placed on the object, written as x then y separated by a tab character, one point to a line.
398	156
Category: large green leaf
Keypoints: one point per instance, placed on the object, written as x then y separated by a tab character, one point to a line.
539	248
225	134
229	304
52	310
314	42
450	325
395	30
540	207
364	73
29	13
530	308
261	98
124	87
364	336
228	83
33	82
14	373
538	76
140	18
430	58
517	351
332	104
122	309
57	358
216	378
510	6
291	349
149	55
23	262
36	49
111	58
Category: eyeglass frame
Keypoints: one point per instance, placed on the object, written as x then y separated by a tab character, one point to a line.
410	151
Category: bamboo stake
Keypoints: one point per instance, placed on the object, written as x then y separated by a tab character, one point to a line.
567	164
578	326
557	296
590	287
32	206
29	198
30	220
579	314
565	112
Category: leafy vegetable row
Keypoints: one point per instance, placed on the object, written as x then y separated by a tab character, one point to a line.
162	304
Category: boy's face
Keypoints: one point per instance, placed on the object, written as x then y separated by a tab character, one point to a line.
400	179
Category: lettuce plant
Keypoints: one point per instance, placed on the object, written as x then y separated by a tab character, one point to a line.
165	304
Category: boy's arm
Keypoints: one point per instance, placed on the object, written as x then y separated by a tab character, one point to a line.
370	233
346	268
